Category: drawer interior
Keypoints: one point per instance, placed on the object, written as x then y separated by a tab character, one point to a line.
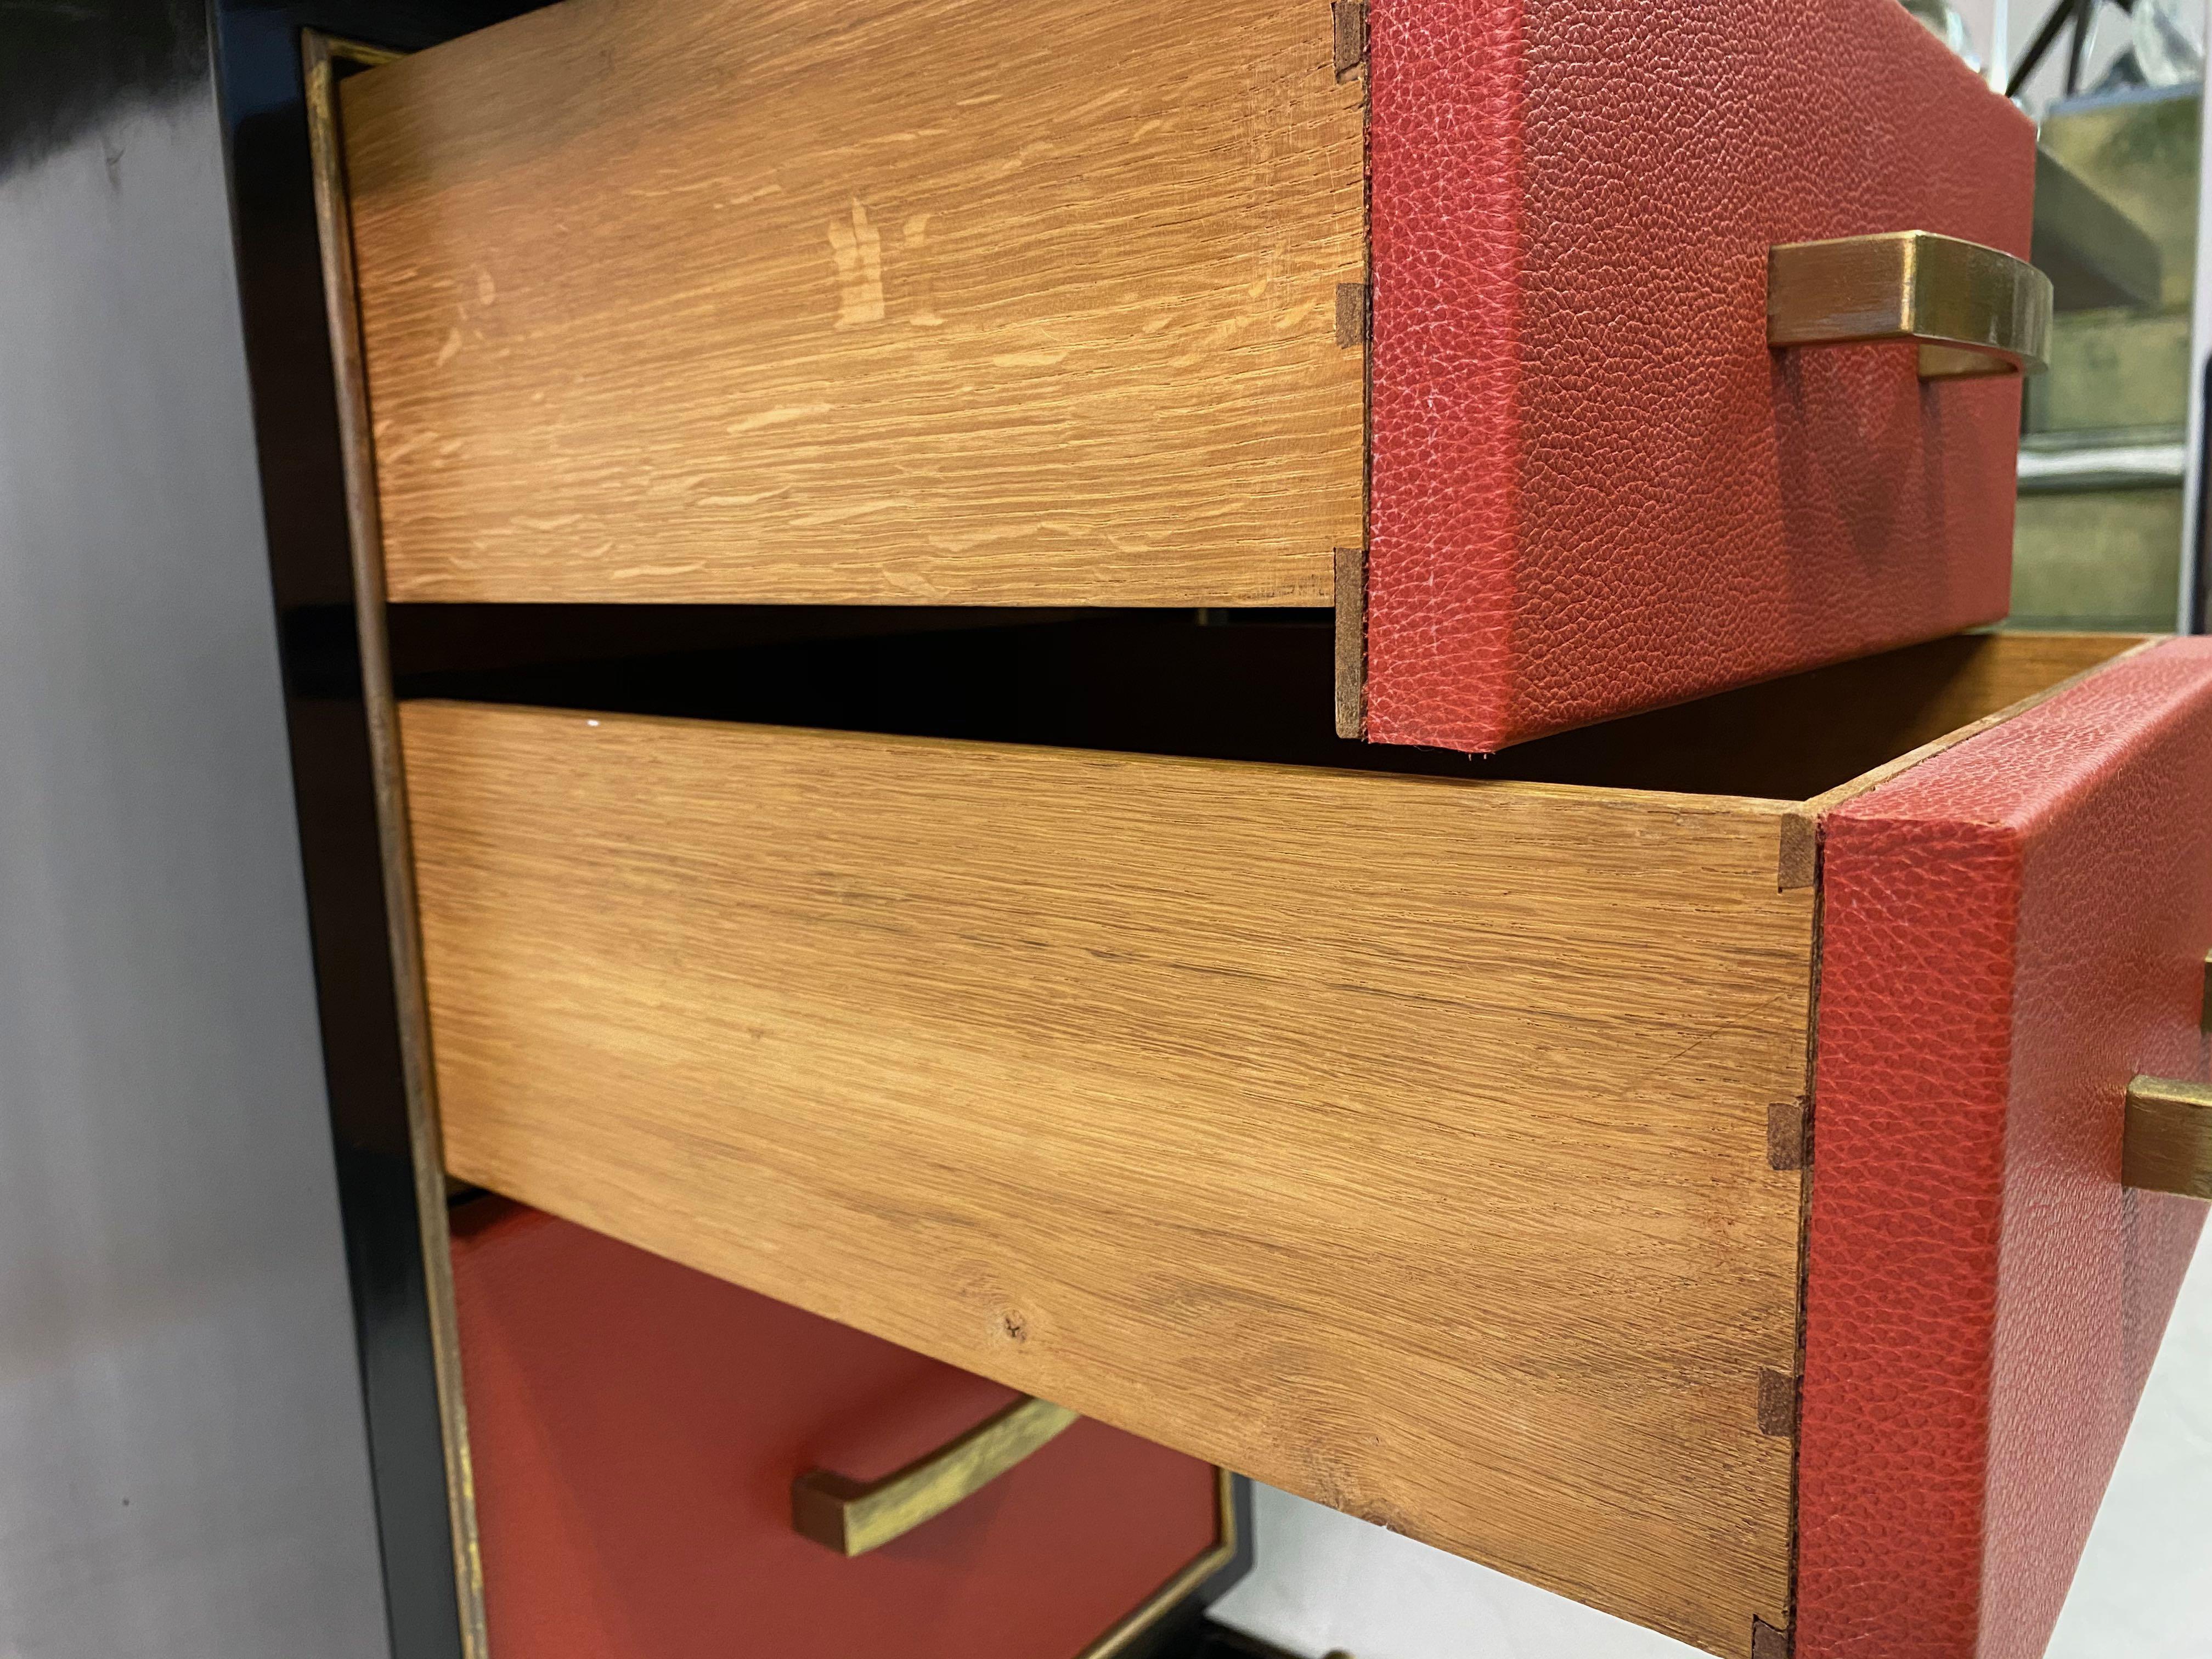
1223	685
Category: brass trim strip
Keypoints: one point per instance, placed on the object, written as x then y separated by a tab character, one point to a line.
1972	310
2168	1146
1351	642
1172	1594
855	1517
322	55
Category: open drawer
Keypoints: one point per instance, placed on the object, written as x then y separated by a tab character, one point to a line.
1436	1146
1465	318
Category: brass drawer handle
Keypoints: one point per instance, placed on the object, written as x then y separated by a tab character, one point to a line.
2169	1137
855	1517
1973	310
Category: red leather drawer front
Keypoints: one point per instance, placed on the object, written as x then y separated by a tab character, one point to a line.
1594	489
635	1427
2011	931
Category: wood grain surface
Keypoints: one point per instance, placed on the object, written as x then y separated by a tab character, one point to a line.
866	301
1402	1142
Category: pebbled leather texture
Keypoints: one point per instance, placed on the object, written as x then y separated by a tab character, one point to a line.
1594	489
635	1427
2010	931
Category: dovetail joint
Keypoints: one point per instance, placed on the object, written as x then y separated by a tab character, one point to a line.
1785	1135
1778	1404
1350	18
1352	318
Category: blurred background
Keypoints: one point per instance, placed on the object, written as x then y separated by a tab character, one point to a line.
2106	490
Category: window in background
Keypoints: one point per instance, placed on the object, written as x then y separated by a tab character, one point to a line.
2116	88
2103	448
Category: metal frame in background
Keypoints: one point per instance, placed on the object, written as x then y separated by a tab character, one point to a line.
2192	597
2078	15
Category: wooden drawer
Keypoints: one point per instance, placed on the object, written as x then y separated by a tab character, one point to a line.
636	1429
1430	1145
1052	303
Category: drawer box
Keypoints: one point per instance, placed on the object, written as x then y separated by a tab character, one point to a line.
927	302
1432	1146
635	1430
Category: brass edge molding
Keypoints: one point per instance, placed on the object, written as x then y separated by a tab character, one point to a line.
322	55
1350	670
1349	586
1972	310
1171	1594
855	1517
